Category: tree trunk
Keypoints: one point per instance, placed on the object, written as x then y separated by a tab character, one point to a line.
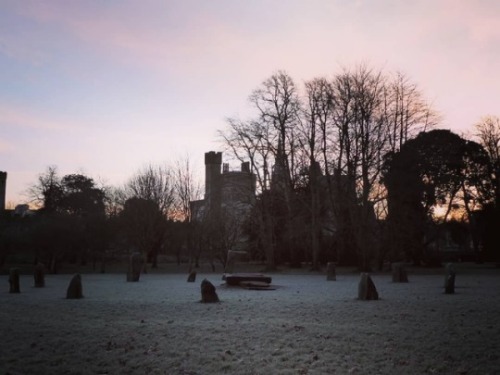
267	240
314	221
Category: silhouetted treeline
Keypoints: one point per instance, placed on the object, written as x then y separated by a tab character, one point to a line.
78	221
348	169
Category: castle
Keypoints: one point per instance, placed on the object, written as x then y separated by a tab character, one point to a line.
230	191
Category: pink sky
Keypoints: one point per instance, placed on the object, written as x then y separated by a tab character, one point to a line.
107	87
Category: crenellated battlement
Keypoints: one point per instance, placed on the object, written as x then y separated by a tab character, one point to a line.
213	158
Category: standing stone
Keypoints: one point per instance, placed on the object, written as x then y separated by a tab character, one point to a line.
39	275
14	281
366	288
134	267
399	274
192	277
331	275
75	290
449	281
208	294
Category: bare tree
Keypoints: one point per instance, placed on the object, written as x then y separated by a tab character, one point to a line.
47	192
488	134
339	133
252	141
353	141
144	227
153	183
115	202
277	104
186	188
406	112
269	142
151	190
372	115
316	117
278	107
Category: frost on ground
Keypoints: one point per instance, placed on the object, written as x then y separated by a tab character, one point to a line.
306	326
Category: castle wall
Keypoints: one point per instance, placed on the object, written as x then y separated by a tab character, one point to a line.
238	187
231	190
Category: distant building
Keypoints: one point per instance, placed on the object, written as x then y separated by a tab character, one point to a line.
228	201
225	190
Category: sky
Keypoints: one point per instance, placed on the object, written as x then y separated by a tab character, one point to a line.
106	87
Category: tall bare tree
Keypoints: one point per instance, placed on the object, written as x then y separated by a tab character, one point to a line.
153	183
488	134
153	186
353	140
372	114
186	188
406	111
269	142
47	192
339	132
316	117
278	107
277	104
251	141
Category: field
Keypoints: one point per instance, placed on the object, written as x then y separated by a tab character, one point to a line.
307	325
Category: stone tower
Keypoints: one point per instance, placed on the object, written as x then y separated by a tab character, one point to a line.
213	163
3	190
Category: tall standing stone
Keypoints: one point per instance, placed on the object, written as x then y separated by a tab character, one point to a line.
449	281
134	267
208	294
331	275
366	288
399	274
14	281
75	289
39	275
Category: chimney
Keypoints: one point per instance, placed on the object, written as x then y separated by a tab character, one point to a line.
245	167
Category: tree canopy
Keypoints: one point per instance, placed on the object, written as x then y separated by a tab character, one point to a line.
433	176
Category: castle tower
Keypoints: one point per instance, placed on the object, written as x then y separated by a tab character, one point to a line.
213	163
3	190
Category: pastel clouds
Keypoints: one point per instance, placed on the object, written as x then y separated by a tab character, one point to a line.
11	117
110	85
196	39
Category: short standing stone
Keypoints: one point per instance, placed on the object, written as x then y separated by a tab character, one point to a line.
39	275
208	294
366	288
192	277
399	274
449	281
331	275
75	290
14	281
134	267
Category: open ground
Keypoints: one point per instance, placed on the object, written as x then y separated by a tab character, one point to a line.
307	325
